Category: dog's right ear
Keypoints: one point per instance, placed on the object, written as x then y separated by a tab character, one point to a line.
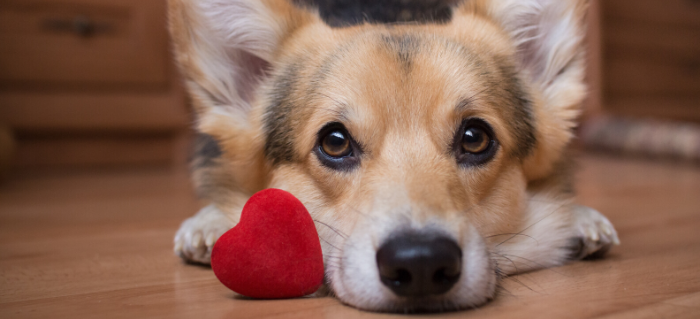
224	49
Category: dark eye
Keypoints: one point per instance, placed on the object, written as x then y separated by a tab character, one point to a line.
475	143
336	149
336	144
475	140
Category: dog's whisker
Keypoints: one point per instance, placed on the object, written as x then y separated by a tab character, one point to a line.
500	288
335	230
511	261
521	283
355	210
514	234
504	277
538	264
329	244
525	259
529	277
533	224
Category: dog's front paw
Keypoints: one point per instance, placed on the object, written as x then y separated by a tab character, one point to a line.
595	234
197	234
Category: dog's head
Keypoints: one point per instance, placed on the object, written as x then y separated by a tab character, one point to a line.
409	144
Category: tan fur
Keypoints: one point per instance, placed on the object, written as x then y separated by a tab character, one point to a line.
405	114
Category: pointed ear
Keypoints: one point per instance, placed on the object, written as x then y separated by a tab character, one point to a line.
548	36
224	49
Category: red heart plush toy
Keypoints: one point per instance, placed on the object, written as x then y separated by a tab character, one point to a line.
273	252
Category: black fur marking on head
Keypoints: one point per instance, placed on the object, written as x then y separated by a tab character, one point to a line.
285	112
343	13
329	63
504	88
206	151
279	145
522	113
405	46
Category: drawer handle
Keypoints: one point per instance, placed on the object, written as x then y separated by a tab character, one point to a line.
81	26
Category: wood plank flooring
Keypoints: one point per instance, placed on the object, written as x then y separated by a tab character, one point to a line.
99	245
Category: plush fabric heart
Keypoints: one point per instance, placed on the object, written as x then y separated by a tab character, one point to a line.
273	252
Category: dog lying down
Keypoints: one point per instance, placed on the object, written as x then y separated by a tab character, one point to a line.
433	157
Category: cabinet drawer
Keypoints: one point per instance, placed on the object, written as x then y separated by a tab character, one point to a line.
677	108
83	43
652	48
670	12
653	42
643	76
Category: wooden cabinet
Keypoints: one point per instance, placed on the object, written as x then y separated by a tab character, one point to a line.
651	58
83	44
83	74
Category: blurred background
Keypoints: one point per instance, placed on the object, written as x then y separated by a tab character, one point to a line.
90	84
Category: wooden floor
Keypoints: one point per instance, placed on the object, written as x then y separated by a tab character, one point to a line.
99	245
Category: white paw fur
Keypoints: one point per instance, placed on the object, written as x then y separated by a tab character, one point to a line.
198	234
596	232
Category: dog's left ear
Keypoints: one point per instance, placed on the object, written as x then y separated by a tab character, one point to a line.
225	48
548	36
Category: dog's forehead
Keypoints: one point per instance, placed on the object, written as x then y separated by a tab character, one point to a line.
392	72
407	77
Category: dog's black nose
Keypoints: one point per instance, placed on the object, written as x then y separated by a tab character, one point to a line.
419	265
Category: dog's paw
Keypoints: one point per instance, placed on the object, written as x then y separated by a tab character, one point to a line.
595	234
197	234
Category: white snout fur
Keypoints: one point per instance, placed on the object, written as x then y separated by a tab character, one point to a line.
354	277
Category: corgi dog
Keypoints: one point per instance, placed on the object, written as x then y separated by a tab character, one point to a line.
432	156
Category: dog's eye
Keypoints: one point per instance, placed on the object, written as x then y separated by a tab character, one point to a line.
336	149
475	143
475	140
336	144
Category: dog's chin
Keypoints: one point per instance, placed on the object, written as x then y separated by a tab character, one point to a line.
354	279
